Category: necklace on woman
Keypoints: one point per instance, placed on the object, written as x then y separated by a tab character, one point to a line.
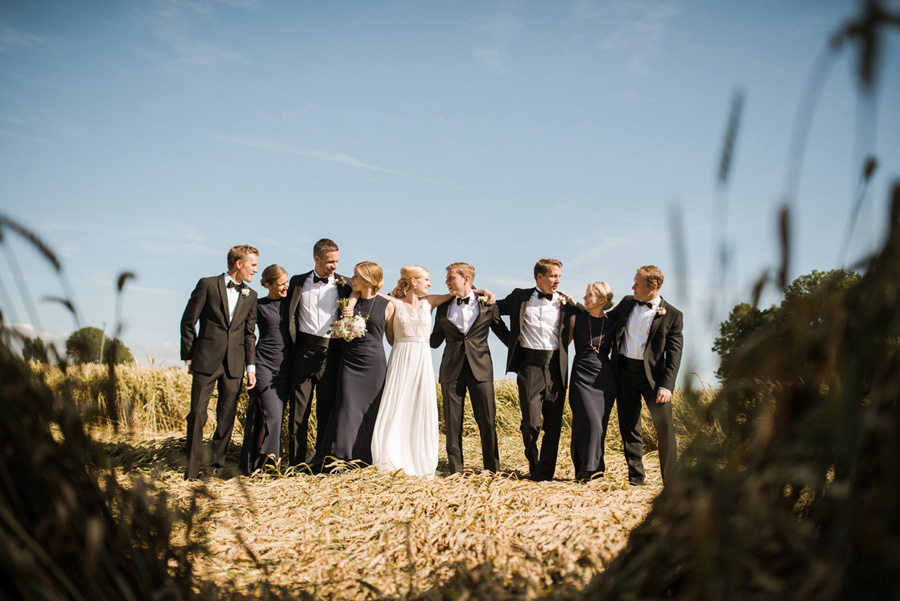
591	335
366	316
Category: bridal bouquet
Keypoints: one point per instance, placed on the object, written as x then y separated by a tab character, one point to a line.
348	327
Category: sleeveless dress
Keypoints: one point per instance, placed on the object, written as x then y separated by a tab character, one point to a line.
268	398
406	431
592	393
360	382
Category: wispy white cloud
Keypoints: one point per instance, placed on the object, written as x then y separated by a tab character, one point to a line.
12	40
162	237
173	22
318	154
500	33
631	29
313	153
302	113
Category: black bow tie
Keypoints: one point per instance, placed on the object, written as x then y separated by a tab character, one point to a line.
544	295
317	279
238	287
644	303
462	301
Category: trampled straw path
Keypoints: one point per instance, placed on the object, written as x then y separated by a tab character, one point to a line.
367	534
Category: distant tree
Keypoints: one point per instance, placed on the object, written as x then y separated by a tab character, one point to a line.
35	350
84	346
804	299
823	285
743	321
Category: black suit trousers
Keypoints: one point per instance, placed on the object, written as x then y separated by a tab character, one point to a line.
542	396
483	408
201	389
632	387
314	368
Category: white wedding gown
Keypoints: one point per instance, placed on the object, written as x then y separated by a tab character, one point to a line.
406	429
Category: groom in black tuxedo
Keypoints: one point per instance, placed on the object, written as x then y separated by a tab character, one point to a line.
313	308
649	342
539	333
226	309
466	364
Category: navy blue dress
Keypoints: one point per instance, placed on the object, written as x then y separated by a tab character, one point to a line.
360	383
592	392
268	398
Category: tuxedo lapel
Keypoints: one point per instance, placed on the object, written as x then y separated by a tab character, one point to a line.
657	319
223	295
622	319
241	308
525	298
483	315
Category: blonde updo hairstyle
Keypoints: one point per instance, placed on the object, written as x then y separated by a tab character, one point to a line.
407	274
604	292
371	274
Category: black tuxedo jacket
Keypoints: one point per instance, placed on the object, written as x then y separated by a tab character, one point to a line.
295	289
514	306
472	346
221	338
662	357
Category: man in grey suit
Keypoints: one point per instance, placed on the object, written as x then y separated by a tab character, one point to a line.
466	365
226	309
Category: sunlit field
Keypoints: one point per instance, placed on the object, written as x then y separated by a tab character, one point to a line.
367	533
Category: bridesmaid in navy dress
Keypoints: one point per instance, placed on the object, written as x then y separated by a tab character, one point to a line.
592	389
262	431
361	375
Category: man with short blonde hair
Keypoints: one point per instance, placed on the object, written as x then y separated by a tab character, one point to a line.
225	307
466	365
649	340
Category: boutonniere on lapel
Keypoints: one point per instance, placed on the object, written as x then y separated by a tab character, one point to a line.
660	310
482	300
340	281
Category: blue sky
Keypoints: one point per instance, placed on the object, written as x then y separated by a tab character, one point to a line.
151	136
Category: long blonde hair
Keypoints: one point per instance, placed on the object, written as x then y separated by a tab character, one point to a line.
407	274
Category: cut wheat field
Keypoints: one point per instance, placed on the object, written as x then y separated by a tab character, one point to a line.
367	534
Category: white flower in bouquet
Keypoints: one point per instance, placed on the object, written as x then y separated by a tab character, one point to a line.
348	327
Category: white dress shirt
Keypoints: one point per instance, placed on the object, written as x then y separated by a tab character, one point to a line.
232	294
318	306
463	316
637	329
540	327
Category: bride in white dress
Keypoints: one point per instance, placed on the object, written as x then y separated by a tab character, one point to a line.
405	435
406	429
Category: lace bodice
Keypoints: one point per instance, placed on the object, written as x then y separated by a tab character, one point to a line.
412	324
